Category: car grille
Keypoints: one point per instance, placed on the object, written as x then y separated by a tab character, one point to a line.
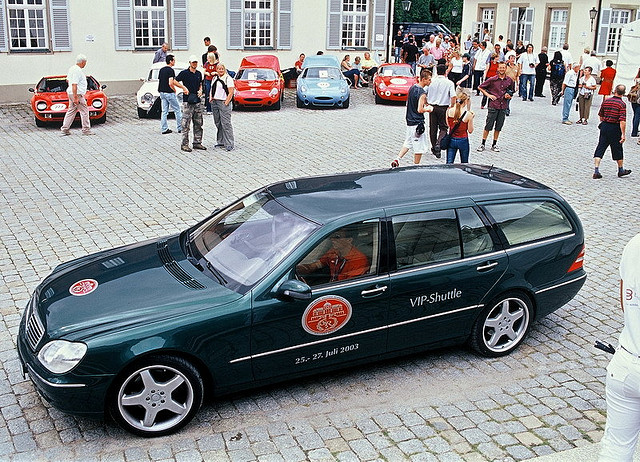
34	328
172	267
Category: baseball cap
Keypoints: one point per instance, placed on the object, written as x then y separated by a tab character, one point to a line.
193	58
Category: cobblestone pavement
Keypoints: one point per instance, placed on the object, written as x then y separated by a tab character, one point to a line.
64	197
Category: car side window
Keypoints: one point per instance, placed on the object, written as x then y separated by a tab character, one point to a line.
476	239
346	253
424	238
523	222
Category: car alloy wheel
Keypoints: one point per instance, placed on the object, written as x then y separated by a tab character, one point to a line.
158	396
502	325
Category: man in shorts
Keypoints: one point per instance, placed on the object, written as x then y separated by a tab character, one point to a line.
416	107
613	123
499	90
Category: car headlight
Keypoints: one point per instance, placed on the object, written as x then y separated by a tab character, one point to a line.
97	103
273	92
382	86
41	105
60	356
303	88
344	89
147	98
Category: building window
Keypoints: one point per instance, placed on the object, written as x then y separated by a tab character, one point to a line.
618	19
258	23
150	23
488	15
558	28
354	23
27	24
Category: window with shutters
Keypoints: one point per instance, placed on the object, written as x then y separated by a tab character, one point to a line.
488	18
28	24
150	23
355	19
618	19
558	28
258	23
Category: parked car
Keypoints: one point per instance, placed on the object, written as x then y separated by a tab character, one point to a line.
259	82
300	277
422	30
392	82
50	100
321	83
148	97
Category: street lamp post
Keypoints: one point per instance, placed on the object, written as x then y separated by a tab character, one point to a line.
406	6
592	15
454	14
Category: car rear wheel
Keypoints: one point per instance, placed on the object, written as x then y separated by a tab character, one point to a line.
40	123
157	396
502	325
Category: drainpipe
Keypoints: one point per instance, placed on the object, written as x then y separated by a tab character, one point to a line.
595	36
390	31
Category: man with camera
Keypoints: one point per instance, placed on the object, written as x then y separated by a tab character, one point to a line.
499	89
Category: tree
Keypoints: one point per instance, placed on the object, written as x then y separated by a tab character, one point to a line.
431	11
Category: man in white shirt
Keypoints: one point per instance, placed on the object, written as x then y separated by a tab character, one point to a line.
569	91
442	95
566	56
432	42
480	61
502	43
594	63
76	90
527	63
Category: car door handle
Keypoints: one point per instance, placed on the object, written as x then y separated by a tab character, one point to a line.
373	292
488	266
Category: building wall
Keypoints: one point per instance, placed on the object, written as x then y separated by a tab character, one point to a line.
92	33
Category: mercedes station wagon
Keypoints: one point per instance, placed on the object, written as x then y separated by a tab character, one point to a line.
301	277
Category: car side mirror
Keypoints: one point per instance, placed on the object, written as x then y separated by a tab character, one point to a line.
103	87
32	90
294	289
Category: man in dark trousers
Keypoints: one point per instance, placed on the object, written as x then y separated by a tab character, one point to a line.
410	53
541	72
613	123
442	95
192	104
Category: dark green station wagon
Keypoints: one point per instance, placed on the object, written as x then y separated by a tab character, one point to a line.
297	278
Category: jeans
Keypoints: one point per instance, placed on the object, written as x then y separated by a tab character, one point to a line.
636	118
397	54
568	102
207	90
170	99
456	144
524	79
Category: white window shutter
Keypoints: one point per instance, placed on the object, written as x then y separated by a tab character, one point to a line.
124	24
3	28
235	25
528	25
60	25
334	25
380	32
284	25
179	25
603	30
513	25
476	27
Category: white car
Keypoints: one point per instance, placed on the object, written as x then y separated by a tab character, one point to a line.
148	97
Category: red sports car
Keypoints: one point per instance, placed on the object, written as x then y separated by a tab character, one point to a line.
259	82
392	82
50	100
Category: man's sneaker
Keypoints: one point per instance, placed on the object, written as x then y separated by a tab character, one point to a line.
437	153
480	148
495	148
567	122
597	175
200	147
167	131
66	132
624	172
186	148
229	148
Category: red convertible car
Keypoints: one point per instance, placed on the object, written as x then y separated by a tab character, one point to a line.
50	100
259	82
392	82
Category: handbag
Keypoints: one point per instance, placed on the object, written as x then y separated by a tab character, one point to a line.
446	139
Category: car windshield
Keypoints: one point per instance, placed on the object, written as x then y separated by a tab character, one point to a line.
245	241
256	74
397	71
322	73
153	73
59	84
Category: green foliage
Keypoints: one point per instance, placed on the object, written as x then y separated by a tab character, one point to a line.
431	11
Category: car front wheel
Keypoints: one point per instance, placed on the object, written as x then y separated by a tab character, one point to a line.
502	325
157	396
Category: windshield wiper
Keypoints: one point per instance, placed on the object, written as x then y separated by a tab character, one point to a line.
216	273
193	260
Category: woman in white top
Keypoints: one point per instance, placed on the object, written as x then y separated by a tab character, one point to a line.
222	88
586	88
454	72
527	63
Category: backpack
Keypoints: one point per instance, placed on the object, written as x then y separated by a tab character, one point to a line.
558	70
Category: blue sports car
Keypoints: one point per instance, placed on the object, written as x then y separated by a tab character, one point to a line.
322	83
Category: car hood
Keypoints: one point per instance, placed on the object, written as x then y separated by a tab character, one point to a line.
149	86
323	84
246	85
398	81
124	287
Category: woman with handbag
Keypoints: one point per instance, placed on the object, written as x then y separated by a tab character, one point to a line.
460	123
634	99
222	88
586	88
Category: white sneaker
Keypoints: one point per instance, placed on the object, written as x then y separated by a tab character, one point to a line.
495	148
480	148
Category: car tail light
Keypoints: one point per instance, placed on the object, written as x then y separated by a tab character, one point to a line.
577	264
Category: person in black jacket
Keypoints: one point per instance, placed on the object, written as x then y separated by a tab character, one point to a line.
541	72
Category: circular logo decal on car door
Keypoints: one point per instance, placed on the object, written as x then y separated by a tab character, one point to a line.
326	315
84	287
